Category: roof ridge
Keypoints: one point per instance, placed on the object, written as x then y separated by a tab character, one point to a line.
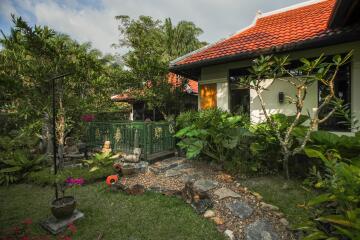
259	14
291	7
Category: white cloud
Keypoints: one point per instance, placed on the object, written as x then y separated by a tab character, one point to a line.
86	22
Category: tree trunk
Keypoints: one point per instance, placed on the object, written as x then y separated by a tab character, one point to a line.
61	129
285	163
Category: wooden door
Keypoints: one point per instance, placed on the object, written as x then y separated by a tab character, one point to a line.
208	96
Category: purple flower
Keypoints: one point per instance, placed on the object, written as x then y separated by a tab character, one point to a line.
74	181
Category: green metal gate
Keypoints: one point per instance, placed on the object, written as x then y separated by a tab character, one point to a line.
154	137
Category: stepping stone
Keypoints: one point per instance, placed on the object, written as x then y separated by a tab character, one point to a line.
240	209
204	185
260	230
172	173
190	177
167	164
225	193
179	170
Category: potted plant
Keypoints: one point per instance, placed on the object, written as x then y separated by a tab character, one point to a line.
63	207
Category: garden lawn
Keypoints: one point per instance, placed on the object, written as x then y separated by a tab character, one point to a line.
113	214
285	194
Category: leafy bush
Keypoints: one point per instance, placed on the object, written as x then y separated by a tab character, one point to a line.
18	158
99	160
336	212
347	146
266	148
186	119
213	133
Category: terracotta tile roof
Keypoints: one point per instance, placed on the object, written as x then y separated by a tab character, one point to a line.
174	79
269	31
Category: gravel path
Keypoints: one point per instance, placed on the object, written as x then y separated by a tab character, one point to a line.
238	212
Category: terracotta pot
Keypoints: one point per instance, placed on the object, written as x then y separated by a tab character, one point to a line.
63	207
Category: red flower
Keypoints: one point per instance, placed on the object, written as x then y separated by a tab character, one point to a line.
25	238
72	228
112	179
16	230
27	221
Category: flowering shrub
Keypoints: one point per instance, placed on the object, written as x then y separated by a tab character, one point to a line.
88	117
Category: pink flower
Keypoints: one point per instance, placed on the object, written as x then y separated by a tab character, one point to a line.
88	117
74	181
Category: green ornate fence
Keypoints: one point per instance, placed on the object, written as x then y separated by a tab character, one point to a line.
153	137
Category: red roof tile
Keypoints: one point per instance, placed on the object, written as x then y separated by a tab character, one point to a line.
273	30
174	79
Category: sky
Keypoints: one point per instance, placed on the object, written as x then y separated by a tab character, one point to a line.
94	20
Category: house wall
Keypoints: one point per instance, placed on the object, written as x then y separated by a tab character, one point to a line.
219	74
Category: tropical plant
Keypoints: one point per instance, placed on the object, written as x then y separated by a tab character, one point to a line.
18	158
99	160
300	78
335	212
152	45
347	146
215	134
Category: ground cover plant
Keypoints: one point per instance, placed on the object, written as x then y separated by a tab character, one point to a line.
18	158
335	214
112	215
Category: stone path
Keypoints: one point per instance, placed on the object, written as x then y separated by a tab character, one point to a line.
238	213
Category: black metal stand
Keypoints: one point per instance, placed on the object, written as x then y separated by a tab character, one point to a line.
54	127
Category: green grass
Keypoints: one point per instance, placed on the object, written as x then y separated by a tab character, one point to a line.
114	214
286	198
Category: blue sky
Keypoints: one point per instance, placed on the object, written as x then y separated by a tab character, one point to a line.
93	20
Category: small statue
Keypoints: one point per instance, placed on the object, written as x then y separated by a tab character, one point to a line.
107	147
70	146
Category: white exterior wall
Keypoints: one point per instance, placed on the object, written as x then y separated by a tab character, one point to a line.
219	74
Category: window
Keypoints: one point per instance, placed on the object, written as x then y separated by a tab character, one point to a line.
342	86
239	97
208	96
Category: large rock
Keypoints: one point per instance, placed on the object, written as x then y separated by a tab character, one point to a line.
163	166
133	168
204	185
239	209
199	200
225	193
260	230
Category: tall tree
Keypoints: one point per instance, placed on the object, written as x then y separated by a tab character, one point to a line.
151	45
32	55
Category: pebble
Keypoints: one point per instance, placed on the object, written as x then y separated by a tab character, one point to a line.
264	205
229	234
218	220
279	214
284	222
257	195
209	214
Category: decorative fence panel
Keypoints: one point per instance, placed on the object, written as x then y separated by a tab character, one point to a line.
153	137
